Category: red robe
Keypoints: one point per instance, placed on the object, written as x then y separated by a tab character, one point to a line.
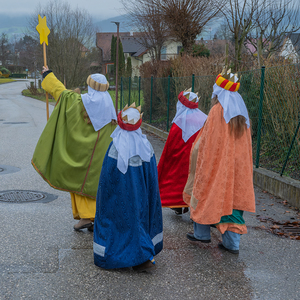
173	168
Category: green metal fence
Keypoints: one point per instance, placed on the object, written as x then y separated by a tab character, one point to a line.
271	95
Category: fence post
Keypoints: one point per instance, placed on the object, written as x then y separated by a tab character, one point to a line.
129	88
168	102
193	82
121	96
290	149
260	115
139	90
151	94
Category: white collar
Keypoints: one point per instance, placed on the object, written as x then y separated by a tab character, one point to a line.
232	103
129	144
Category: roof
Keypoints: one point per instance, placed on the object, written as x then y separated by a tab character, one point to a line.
84	49
103	41
295	39
133	46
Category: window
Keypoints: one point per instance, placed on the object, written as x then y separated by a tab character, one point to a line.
178	49
163	53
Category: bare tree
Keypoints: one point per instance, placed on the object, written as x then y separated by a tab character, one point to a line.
187	18
147	19
4	49
28	54
71	34
263	23
223	32
240	16
278	20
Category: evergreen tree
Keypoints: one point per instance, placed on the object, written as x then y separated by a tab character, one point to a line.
200	50
121	60
113	48
113	53
128	67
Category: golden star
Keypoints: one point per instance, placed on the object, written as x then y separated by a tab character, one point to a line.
43	30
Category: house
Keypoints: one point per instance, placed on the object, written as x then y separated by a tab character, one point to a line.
84	50
291	47
103	42
132	47
251	49
216	46
170	49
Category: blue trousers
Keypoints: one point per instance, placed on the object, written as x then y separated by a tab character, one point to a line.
230	240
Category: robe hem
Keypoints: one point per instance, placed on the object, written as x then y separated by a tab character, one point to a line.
175	206
58	188
233	227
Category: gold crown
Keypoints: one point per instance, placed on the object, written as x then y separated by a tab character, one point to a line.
226	74
131	106
188	95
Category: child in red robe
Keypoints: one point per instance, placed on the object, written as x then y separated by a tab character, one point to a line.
173	165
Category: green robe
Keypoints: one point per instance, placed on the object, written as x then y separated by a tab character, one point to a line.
69	153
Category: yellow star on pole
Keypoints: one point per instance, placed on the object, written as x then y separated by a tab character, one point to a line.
43	30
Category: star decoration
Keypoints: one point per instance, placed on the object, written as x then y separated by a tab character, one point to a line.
43	30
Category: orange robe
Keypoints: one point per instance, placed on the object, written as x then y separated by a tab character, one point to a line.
221	173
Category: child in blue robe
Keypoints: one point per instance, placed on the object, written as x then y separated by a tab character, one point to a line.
128	228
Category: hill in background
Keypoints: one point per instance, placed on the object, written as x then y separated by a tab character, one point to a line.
13	26
16	26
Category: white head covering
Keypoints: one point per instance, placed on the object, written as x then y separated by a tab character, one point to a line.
133	115
130	143
187	119
232	103
99	105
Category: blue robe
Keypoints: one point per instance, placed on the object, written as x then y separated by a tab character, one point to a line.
128	227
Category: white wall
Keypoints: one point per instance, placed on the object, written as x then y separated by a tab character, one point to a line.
289	51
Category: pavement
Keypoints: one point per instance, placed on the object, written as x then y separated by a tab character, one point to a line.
42	257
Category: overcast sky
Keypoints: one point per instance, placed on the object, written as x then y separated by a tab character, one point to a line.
99	9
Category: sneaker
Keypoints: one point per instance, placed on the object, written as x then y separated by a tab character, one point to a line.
83	223
221	246
191	237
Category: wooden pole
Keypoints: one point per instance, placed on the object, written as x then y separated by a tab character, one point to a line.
45	65
117	66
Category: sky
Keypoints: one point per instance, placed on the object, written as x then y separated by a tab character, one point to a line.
99	9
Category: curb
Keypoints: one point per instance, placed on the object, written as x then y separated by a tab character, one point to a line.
162	134
279	186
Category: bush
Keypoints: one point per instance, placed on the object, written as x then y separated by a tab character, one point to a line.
4	71
32	89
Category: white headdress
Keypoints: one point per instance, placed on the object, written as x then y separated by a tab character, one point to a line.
97	102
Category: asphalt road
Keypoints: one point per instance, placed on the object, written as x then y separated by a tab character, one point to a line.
42	257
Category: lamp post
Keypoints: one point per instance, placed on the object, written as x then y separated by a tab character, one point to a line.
117	64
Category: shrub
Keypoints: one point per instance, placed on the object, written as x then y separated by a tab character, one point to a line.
4	70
